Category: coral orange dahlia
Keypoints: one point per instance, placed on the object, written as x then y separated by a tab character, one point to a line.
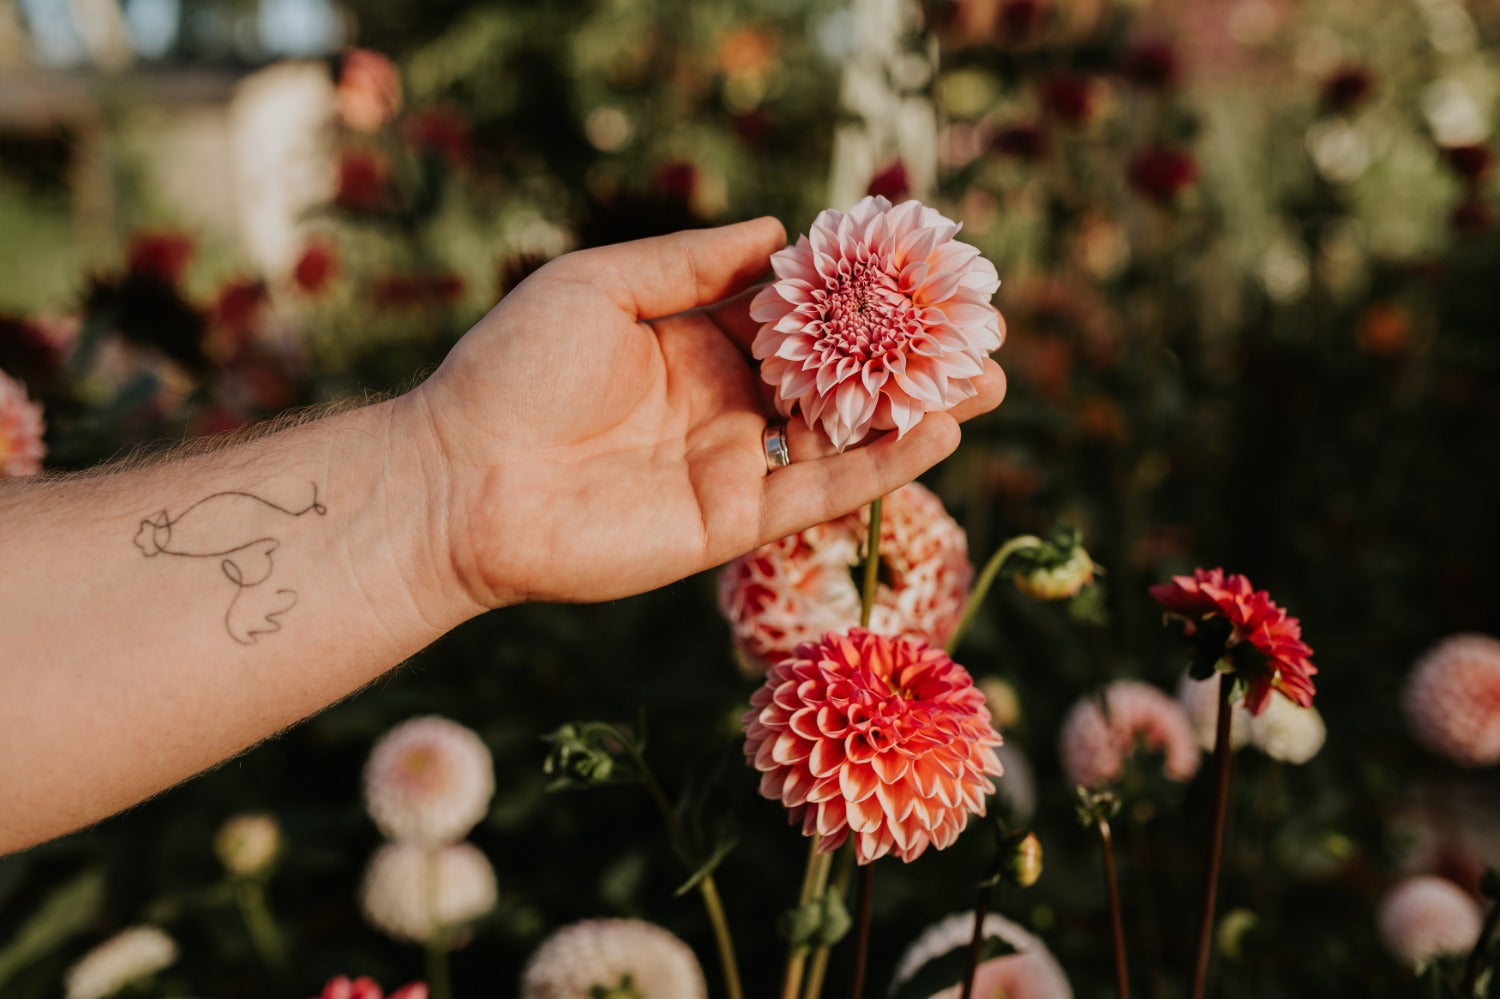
876	317
1225	618
882	737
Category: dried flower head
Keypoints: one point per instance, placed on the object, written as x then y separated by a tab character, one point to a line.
1200	699
876	317
1452	700
428	780
247	844
1242	632
880	736
1031	972
1288	732
1095	743
1428	917
412	892
799	588
600	954
21	428
128	956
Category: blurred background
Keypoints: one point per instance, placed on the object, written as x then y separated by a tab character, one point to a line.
1249	263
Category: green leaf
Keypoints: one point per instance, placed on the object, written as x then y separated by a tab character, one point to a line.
948	970
67	912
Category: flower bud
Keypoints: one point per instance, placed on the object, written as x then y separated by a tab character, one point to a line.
247	844
1025	864
581	755
1056	569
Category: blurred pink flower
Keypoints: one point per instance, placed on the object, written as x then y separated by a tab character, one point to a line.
343	987
1030	972
1094	744
877	317
884	737
429	780
1452	700
1427	917
594	956
369	93
1209	601
797	589
21	428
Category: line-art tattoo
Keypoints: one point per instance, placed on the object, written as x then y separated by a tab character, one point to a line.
207	529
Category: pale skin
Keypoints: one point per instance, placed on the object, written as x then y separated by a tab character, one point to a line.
598	434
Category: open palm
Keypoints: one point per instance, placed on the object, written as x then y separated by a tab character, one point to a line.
601	427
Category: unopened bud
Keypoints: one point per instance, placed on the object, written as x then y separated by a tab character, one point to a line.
1056	569
1025	864
247	844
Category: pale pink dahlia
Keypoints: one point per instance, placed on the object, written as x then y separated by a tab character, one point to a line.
21	447
1452	700
1428	917
876	318
596	956
1225	618
429	780
881	736
1031	972
1095	744
413	892
799	588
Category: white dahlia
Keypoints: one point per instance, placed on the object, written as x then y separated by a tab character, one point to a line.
411	892
429	781
603	953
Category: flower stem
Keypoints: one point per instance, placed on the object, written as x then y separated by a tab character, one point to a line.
976	940
814	882
1116	918
872	564
438	984
818	967
1475	964
251	895
986	580
1215	839
862	930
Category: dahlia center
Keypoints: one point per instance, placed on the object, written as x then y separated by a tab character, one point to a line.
864	314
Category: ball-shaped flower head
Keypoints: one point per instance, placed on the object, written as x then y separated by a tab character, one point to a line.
1224	616
1287	732
600	954
1452	700
877	317
1427	917
412	892
21	428
1096	742
429	780
1031	972
248	844
128	956
881	736
799	588
1200	699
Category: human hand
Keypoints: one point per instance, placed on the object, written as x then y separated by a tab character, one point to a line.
600	429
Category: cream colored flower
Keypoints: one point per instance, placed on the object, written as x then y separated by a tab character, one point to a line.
1031	972
128	956
429	780
248	844
1287	732
1200	699
411	892
602	953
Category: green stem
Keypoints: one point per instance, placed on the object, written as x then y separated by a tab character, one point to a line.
264	936
814	881
986	580
1215	840
817	968
872	564
707	889
438	984
1116	918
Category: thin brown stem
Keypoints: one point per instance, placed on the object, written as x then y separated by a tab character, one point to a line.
976	941
1215	840
862	930
1116	917
872	564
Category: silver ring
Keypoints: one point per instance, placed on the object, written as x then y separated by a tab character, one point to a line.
774	439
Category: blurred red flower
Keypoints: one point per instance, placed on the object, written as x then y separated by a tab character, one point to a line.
1026	141
1471	162
343	987
160	254
1071	98
1161	173
891	183
441	132
1151	64
416	290
1347	88
316	267
363	181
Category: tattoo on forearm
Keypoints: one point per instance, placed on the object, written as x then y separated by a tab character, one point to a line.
209	529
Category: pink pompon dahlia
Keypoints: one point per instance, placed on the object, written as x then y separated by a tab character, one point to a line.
1452	700
876	317
21	447
880	736
799	588
1096	742
1427	917
1226	620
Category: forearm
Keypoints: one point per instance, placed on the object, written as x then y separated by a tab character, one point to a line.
158	620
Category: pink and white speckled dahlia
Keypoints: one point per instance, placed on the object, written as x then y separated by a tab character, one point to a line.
883	737
1095	744
1452	699
876	317
799	588
21	447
